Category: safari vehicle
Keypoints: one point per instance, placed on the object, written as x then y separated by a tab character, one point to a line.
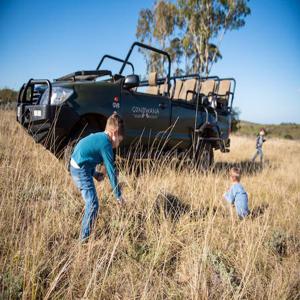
188	113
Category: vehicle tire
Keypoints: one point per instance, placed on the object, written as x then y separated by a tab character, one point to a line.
204	157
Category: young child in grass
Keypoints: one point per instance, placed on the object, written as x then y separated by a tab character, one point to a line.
94	149
237	195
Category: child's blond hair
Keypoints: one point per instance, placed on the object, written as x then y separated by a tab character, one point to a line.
235	172
115	123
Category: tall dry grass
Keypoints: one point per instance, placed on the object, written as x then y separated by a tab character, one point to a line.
175	239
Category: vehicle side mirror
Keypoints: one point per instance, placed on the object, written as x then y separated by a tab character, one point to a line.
131	81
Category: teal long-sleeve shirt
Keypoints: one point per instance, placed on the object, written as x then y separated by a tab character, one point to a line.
94	149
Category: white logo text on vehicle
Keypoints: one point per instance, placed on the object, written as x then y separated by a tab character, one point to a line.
145	112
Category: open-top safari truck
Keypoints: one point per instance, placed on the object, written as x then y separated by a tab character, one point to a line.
188	113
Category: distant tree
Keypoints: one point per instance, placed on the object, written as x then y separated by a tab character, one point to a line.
157	27
144	32
205	20
189	28
8	95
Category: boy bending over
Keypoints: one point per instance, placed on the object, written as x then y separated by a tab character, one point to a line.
94	149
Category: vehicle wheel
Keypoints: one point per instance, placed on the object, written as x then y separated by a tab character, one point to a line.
204	157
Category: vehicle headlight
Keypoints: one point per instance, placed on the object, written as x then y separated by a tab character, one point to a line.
59	95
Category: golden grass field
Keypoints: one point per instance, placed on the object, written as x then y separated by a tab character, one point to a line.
146	250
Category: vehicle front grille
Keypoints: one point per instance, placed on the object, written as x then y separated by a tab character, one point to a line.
36	96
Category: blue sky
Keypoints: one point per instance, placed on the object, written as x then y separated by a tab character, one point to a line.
47	39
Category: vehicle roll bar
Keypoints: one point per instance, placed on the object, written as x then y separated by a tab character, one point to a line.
141	45
116	59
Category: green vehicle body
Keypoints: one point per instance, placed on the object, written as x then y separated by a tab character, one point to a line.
150	119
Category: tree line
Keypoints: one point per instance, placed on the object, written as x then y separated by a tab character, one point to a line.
8	95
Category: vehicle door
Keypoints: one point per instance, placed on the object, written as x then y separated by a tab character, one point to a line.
146	116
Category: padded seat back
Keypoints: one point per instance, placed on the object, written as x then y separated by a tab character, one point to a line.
152	81
207	87
223	91
163	89
178	86
188	89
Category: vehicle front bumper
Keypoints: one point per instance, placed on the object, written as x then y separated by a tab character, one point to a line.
49	125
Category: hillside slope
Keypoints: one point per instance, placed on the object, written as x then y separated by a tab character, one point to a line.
289	131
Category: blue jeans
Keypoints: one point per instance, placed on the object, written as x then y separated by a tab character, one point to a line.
241	206
83	179
259	153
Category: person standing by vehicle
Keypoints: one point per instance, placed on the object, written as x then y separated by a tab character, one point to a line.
94	149
259	144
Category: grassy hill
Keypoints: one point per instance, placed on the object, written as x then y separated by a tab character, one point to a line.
175	239
289	131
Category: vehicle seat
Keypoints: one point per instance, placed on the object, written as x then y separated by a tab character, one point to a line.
188	89
207	91
223	92
171	91
163	89
152	81
177	89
